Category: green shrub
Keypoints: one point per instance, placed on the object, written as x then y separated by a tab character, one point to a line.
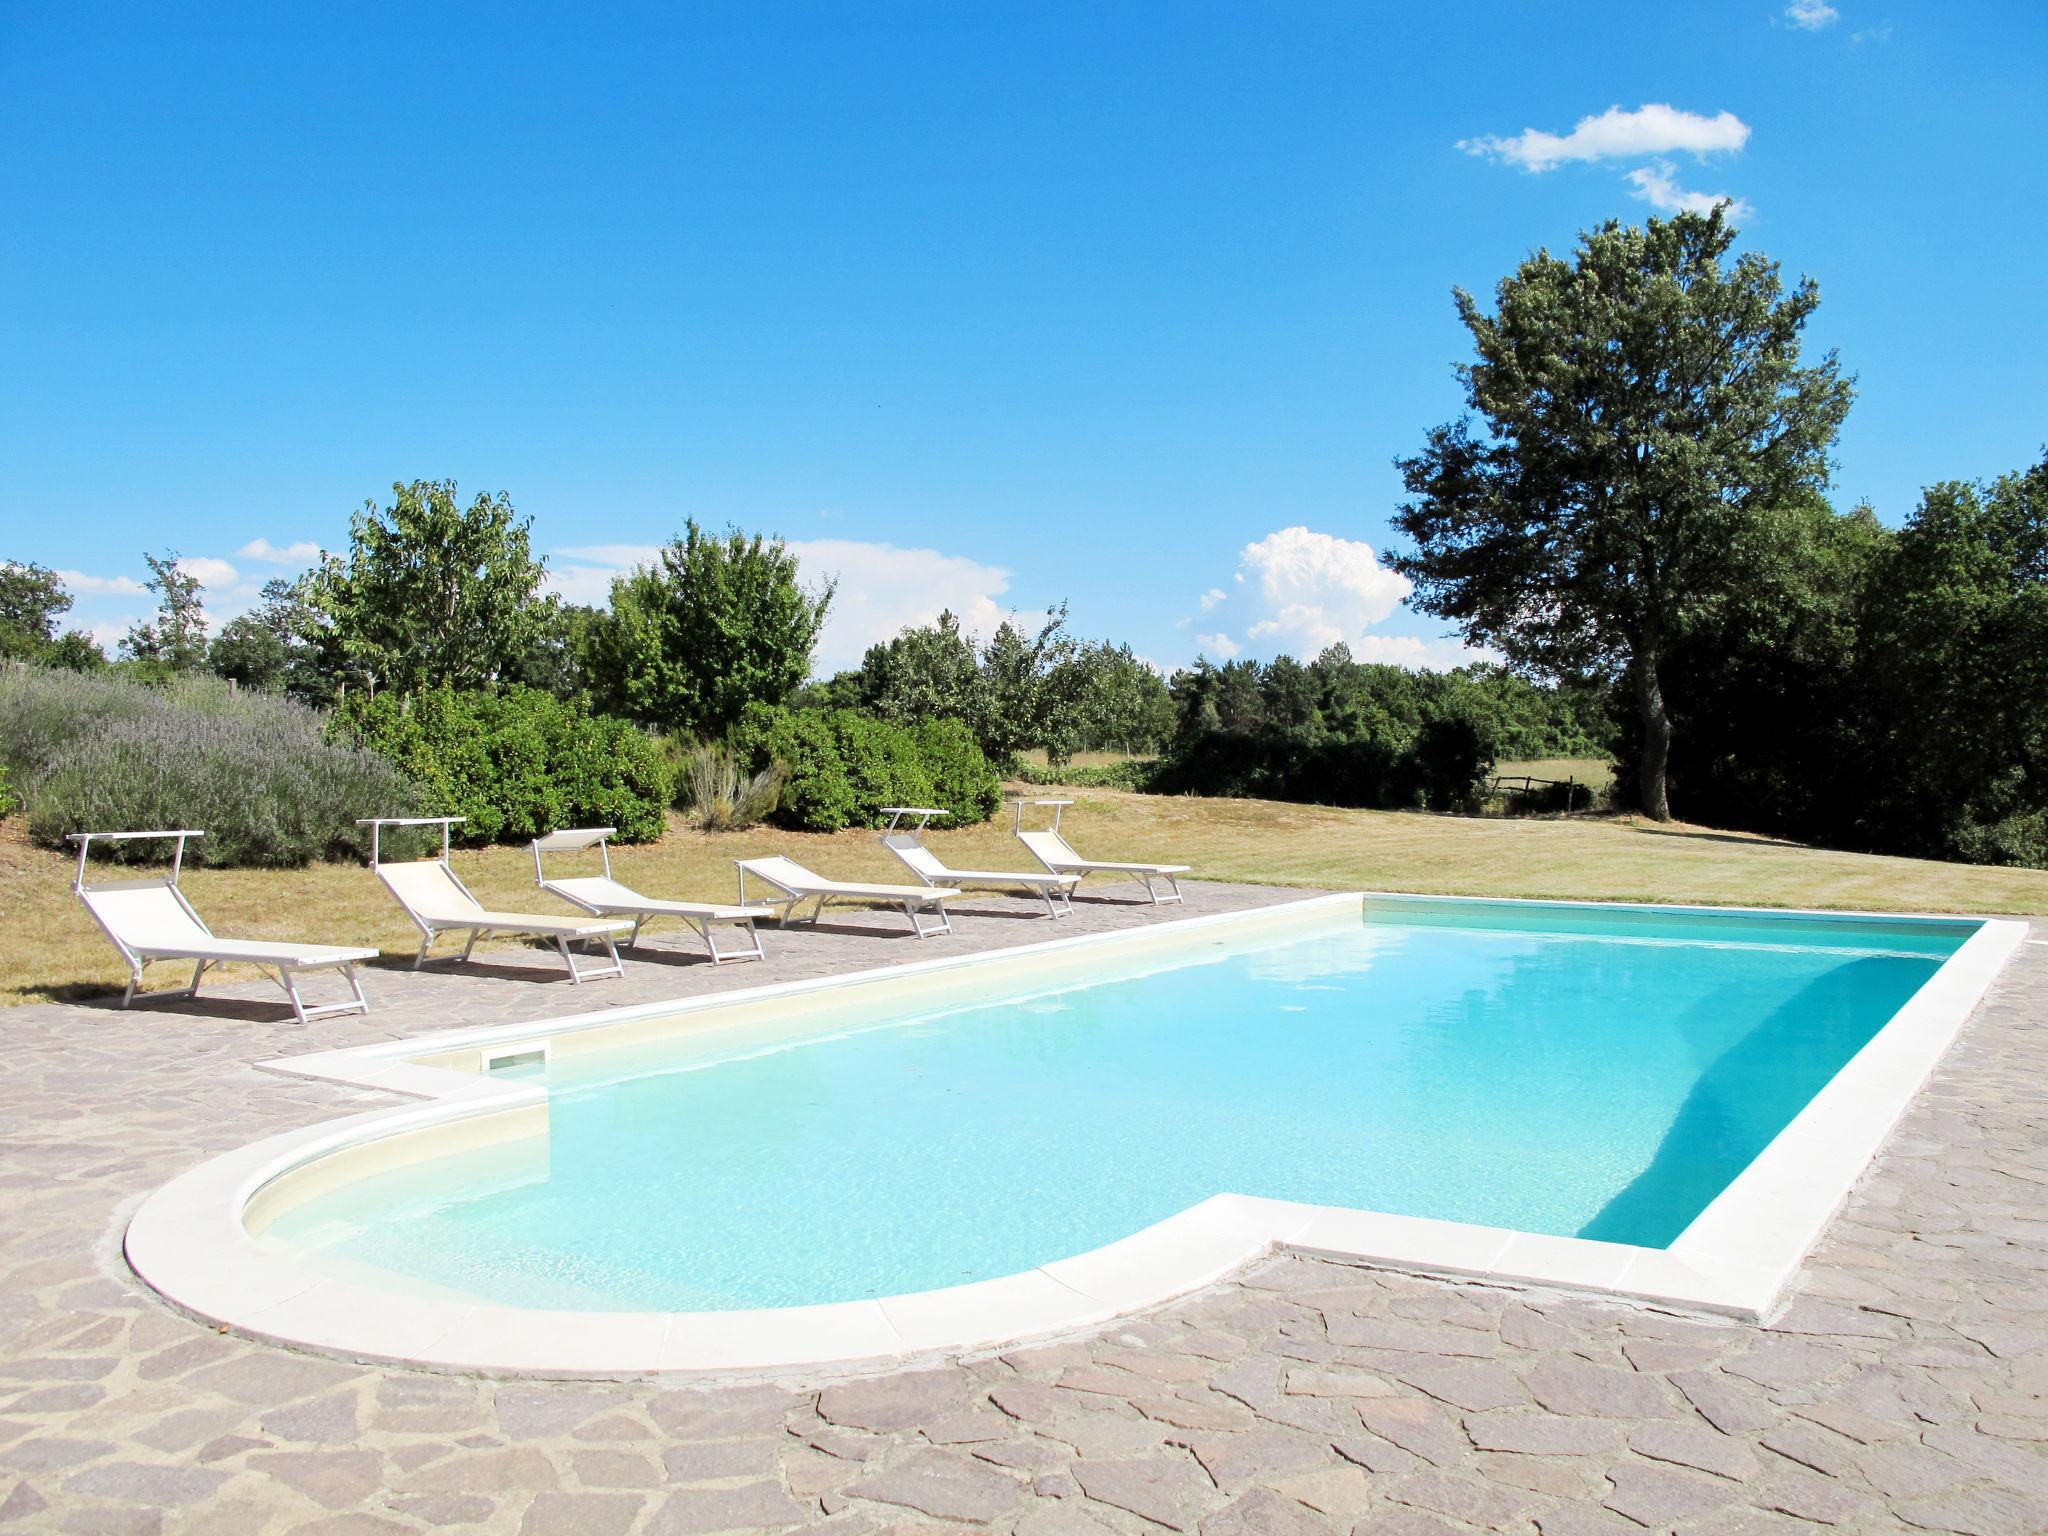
256	773
883	765
817	795
518	763
962	782
844	765
8	799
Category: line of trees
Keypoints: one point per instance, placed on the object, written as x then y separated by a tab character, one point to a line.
1632	510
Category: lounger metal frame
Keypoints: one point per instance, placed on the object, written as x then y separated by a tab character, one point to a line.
429	931
285	974
1137	871
1046	886
584	837
792	899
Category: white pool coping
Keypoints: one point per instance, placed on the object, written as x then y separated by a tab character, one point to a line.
190	1240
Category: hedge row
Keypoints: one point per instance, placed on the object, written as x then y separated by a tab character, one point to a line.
516	764
844	766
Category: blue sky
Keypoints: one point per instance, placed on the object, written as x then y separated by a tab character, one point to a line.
988	305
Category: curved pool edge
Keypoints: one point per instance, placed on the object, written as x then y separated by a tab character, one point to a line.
189	1242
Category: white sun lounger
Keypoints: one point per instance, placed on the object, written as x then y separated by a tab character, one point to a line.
437	901
1056	891
151	920
1058	856
603	896
799	885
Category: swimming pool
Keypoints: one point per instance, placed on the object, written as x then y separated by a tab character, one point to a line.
1596	1077
1560	1090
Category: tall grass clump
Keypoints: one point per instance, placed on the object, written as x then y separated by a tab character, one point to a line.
254	771
716	793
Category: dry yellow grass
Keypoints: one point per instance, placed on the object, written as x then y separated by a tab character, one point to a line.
1595	772
1083	759
54	951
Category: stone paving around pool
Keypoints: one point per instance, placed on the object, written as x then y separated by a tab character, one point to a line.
1904	1387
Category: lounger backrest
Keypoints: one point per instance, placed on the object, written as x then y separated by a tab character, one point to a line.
786	873
597	893
920	858
145	914
426	888
1050	848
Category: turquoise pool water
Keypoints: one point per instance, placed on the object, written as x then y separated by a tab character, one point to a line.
1558	1070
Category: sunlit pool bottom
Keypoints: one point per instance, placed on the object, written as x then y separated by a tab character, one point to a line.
1563	1070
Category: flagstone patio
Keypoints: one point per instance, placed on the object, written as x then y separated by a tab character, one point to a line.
1904	1387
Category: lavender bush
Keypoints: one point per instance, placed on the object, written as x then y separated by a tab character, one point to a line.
254	770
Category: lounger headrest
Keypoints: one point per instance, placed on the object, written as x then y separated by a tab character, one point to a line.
144	913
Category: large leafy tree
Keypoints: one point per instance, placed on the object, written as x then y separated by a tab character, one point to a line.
1769	715
1956	661
1125	705
32	600
927	672
282	644
715	624
176	638
1032	685
1639	410
432	593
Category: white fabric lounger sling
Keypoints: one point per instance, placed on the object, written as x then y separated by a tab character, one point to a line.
1056	891
603	896
437	901
151	920
1058	856
799	885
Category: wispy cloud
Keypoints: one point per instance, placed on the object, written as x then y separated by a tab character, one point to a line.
1881	33
1616	134
1212	597
304	552
1658	186
1811	15
102	586
1219	644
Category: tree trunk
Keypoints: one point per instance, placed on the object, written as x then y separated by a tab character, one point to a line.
1656	739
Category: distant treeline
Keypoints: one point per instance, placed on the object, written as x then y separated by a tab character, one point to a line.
1342	732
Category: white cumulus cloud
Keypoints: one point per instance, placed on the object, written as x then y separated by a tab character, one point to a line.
208	571
1314	589
1616	134
1300	592
1811	15
1439	655
883	589
1658	186
303	552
